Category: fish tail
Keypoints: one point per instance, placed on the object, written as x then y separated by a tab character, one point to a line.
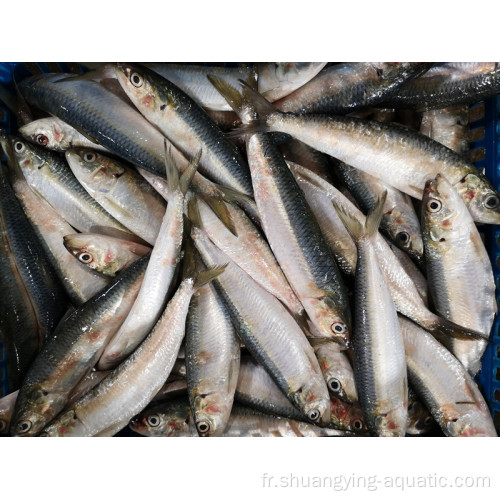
355	228
193	212
188	174
219	207
205	276
171	168
443	329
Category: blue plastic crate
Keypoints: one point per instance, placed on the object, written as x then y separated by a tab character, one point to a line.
489	378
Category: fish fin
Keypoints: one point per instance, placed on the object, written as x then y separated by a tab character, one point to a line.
443	329
261	105
353	226
188	174
247	128
171	168
219	207
205	276
189	261
234	97
375	215
194	212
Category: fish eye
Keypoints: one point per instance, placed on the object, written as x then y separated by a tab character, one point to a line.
23	426
428	420
357	424
492	201
203	427
136	79
41	139
19	146
338	328
85	257
314	415
154	420
89	157
403	237
434	206
334	385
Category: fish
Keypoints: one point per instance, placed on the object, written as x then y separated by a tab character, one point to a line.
6	410
212	361
186	125
103	254
293	232
403	158
174	419
110	405
120	190
444	385
33	300
73	350
454	252
379	356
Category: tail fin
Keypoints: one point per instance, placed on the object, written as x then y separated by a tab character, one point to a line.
355	228
188	174
205	276
194	212
443	329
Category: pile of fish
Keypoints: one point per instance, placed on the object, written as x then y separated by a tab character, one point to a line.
278	249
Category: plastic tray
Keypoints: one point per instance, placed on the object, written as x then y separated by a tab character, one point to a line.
489	142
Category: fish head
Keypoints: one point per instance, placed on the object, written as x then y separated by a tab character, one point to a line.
337	371
172	419
97	172
329	321
392	423
65	425
46	132
99	257
146	89
482	200
347	416
471	422
405	231
211	412
315	404
443	212
28	157
35	409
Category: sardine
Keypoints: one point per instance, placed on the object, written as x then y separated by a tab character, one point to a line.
454	251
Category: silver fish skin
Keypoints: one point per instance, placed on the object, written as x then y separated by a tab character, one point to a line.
120	190
400	221
186	125
444	386
79	281
274	80
159	276
55	134
103	254
454	251
346	87
379	357
212	361
404	293
174	419
403	158
270	334
73	350
111	404
50	176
